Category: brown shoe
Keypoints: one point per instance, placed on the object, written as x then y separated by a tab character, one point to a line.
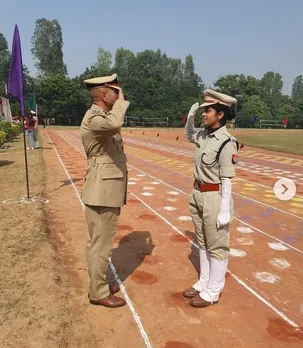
110	301
112	288
190	293
198	302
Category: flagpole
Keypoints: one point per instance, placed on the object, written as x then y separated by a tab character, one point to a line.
25	156
15	88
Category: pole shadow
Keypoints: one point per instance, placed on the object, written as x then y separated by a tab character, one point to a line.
6	163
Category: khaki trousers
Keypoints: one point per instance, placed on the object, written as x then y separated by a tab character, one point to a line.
204	208
102	225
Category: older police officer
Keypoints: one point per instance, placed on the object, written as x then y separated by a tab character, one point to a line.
105	187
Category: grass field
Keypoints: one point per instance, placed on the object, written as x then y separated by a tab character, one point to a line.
289	141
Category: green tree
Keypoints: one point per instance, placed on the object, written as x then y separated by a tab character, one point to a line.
251	108
297	90
61	98
104	63
238	85
47	43
155	84
124	63
271	91
191	82
4	62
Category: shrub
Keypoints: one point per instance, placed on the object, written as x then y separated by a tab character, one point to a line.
6	127
10	129
2	137
16	129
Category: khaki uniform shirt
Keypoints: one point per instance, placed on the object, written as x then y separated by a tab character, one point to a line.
106	176
206	168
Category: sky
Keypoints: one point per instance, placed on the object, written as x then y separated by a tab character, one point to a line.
224	37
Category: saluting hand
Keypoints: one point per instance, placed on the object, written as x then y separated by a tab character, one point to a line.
193	110
121	95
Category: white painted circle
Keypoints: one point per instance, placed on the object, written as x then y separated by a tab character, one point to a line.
133	179
148	194
237	253
244	241
169	208
172	199
132	183
173	193
277	246
154	183
285	189
266	277
243	229
279	263
141	175
184	218
148	188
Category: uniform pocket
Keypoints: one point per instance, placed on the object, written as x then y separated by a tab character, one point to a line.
209	158
112	171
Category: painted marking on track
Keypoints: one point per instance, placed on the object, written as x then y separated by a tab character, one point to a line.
173	187
277	246
241	282
185	218
169	208
281	314
237	252
160	163
147	194
174	193
266	277
244	229
279	263
172	199
244	241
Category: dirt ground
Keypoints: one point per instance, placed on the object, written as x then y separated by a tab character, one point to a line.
43	267
33	286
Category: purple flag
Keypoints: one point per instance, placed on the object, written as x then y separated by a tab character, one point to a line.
15	77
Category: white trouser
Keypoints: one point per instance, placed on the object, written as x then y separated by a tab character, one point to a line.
201	284
216	281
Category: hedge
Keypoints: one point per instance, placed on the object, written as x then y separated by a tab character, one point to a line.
2	137
8	131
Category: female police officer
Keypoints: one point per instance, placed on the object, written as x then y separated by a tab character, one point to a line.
210	203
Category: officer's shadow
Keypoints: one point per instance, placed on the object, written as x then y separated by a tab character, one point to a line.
130	253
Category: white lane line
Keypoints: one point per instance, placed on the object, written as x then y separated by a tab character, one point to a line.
265	186
185	193
188	152
123	290
75	136
241	282
235	193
